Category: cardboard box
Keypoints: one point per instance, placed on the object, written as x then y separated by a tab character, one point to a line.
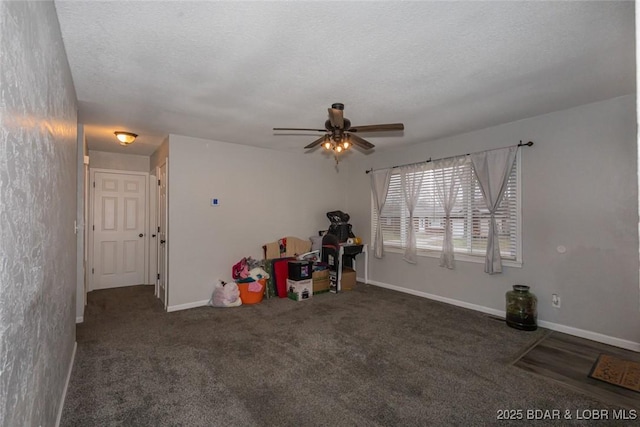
320	274
348	281
333	281
321	281
321	286
299	290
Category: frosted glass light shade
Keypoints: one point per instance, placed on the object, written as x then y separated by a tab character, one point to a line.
125	138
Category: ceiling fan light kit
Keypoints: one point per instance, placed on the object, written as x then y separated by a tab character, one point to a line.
336	146
340	135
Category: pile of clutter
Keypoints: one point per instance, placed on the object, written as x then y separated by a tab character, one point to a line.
248	286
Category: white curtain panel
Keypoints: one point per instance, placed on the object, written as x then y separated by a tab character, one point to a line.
379	187
411	179
446	173
492	168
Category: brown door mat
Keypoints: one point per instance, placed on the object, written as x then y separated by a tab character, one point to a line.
617	371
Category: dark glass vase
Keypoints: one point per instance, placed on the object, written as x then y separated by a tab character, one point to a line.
522	308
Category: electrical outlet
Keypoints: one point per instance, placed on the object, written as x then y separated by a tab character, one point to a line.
555	300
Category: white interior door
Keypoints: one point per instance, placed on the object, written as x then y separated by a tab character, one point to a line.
119	218
163	290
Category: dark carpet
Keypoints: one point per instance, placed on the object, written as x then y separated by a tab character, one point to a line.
369	357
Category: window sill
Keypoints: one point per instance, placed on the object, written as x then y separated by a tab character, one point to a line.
458	257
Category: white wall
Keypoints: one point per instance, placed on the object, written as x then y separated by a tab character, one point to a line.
578	190
264	195
125	162
37	208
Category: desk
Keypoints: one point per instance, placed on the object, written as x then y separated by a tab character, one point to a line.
365	251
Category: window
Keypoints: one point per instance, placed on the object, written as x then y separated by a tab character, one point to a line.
469	217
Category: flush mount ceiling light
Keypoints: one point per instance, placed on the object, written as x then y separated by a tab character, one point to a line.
125	138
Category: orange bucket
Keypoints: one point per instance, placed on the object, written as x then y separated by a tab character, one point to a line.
249	297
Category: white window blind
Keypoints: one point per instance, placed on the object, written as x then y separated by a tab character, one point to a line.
469	216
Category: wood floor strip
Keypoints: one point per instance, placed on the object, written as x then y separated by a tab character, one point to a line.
568	360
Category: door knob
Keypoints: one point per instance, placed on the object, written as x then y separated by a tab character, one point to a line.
140	235
162	241
153	235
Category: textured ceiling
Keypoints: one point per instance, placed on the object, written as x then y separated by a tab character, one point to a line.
231	71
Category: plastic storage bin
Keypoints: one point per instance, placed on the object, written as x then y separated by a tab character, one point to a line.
300	270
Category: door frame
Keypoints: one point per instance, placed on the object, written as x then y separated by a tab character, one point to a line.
92	182
152	232
165	273
87	234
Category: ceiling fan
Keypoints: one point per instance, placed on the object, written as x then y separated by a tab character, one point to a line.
340	135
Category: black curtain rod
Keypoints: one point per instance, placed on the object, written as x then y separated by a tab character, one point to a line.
521	144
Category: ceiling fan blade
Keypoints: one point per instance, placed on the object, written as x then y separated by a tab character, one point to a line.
316	142
336	117
312	130
377	128
362	143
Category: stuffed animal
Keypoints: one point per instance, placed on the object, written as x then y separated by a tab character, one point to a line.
225	295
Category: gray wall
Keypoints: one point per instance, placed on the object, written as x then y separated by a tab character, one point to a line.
264	195
579	190
125	162
37	209
158	156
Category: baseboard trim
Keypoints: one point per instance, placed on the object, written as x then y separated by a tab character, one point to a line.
66	384
79	319
590	335
187	305
434	297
